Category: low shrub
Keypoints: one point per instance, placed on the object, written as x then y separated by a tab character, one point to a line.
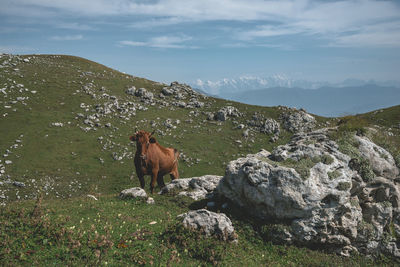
194	243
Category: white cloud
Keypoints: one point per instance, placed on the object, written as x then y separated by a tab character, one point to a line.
75	26
132	43
191	9
331	20
341	23
161	42
156	22
67	37
268	31
381	34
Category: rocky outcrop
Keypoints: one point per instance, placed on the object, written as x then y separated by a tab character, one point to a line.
144	94
196	187
209	223
298	121
270	126
182	95
308	183
224	113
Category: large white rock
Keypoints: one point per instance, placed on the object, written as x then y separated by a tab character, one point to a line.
381	161
326	205
209	223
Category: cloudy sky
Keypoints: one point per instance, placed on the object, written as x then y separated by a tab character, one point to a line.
167	40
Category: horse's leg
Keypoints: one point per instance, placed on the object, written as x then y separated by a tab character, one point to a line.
174	173
154	176
160	180
141	180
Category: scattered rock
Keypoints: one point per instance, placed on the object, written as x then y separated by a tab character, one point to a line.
298	121
141	92
270	126
225	112
167	91
134	192
209	223
150	201
245	134
92	197
131	90
19	184
57	124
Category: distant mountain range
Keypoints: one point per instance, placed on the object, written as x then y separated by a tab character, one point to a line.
322	98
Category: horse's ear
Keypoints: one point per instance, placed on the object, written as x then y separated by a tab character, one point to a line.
152	132
133	138
152	140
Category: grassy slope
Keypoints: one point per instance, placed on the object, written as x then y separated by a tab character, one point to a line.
63	162
59	153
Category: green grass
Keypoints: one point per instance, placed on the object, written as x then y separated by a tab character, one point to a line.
114	232
333	174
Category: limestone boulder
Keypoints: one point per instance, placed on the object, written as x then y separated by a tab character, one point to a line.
309	186
209	223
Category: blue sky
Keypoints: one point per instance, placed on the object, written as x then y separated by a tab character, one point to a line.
185	40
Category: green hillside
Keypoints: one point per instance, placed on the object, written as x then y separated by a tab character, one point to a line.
65	161
65	124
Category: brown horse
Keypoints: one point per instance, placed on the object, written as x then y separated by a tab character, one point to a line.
153	159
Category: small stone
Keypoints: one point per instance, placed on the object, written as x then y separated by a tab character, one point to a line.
18	184
150	200
134	192
92	197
